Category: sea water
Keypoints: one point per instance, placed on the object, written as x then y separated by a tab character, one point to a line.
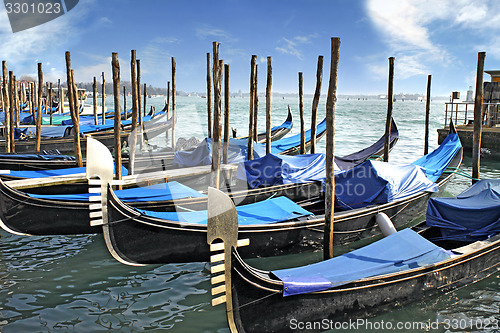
72	284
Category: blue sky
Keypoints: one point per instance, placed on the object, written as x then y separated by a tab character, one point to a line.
441	38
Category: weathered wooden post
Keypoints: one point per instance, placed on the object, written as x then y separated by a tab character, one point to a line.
94	100
174	111
6	90
60	96
14	112
478	119
139	105
317	95
168	111
330	150
9	112
390	100
73	111
209	97
302	149
50	102
145	100
226	115
117	130
268	103
39	110
33	97
216	131
256	103
427	114
125	115
133	132
103	100
252	108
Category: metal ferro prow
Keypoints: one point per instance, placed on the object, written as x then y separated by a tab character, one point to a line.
222	226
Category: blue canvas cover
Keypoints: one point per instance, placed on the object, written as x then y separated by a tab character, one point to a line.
238	148
202	155
436	162
400	251
372	182
46	132
472	215
268	211
157	192
275	169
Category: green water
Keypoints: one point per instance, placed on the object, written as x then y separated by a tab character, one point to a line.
72	284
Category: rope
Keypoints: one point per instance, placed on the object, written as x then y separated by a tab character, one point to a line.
459	172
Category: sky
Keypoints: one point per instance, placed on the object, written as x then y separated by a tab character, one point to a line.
441	38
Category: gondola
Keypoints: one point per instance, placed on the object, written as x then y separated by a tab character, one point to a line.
135	236
25	212
452	251
53	159
63	140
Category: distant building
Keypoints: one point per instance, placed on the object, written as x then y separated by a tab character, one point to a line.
470	95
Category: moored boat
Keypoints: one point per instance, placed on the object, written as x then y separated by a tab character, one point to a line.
406	266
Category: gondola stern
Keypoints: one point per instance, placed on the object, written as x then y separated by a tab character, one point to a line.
222	226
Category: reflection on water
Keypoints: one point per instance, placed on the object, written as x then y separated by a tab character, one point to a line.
72	284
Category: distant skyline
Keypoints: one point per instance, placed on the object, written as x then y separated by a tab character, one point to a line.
440	38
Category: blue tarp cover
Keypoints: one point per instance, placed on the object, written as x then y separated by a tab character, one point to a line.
372	182
281	169
436	162
472	215
158	192
202	155
53	172
46	132
398	252
377	182
268	211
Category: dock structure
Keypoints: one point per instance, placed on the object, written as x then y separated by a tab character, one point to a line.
462	115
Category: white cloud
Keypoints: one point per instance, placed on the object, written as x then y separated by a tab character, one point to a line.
207	31
292	46
22	49
412	28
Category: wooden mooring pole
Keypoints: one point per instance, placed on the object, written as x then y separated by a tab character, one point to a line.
427	114
225	150
94	100
390	101
139	105
268	103
39	108
252	108
168	111
302	149
115	64
6	97
9	112
174	111
478	119
209	97
216	131
60	96
125	114
74	111
50	102
256	103
145	100
132	141
330	150
315	103
103	111
14	111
